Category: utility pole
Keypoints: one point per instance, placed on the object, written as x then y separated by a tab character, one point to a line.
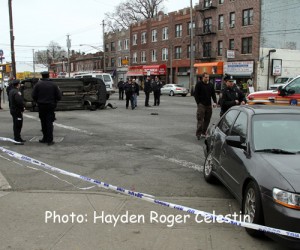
12	39
69	46
192	54
104	57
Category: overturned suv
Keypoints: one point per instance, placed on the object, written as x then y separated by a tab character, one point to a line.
86	93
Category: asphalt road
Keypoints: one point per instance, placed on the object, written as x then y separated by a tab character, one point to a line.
151	150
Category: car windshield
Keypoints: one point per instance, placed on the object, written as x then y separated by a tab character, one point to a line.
281	80
276	133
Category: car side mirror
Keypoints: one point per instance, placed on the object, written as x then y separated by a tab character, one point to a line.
235	141
281	91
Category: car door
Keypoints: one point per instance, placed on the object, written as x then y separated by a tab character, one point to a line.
232	162
219	135
290	99
165	89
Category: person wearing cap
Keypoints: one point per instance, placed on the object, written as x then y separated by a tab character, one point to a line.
204	92
231	95
46	94
147	90
16	107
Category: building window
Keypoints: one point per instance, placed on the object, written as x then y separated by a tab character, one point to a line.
134	39
232	19
207	3
143	37
178	52
126	44
220	48
178	30
247	45
165	33
154	55
247	17
231	44
112	46
112	62
221	22
221	1
143	57
189	28
120	45
164	54
207	25
134	57
207	49
154	35
119	61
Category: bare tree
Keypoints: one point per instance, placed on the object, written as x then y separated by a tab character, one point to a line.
53	53
132	11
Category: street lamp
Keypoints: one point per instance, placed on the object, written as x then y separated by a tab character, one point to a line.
269	55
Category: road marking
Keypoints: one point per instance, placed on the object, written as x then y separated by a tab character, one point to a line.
3	183
62	126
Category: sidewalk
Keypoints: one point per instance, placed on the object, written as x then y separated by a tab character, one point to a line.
26	223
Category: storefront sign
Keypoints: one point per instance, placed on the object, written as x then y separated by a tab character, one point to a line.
276	67
239	68
230	54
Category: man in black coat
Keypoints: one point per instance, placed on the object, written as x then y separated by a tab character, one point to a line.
156	87
16	107
46	94
121	86
147	90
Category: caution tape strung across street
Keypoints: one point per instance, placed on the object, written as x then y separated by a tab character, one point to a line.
147	197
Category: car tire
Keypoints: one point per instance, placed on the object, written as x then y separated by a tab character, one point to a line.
252	207
207	169
171	93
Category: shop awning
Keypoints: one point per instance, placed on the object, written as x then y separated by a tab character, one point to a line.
215	68
160	69
135	71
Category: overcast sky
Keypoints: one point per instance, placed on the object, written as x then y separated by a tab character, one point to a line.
37	22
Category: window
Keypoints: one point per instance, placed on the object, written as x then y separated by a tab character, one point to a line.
188	51
294	85
232	19
189	28
178	30
164	54
221	1
178	52
221	22
240	126
231	44
207	49
119	61
247	45
134	57
143	57
227	121
154	55
207	3
143	37
112	46
134	39
120	45
112	62
154	35
247	17
220	48
126	44
165	33
207	25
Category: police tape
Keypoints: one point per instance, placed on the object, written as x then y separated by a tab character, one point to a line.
147	197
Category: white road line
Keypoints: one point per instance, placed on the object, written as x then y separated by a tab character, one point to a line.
3	183
62	126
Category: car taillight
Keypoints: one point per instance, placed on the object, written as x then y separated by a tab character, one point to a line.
178	89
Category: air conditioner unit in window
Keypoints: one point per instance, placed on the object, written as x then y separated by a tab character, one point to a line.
232	25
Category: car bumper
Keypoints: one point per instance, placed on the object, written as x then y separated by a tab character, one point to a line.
281	217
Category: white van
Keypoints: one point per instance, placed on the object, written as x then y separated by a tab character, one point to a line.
105	77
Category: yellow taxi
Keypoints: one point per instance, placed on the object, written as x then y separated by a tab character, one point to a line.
288	94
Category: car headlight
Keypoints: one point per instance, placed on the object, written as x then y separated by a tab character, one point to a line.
287	199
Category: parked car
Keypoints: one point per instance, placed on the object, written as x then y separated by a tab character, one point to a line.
86	93
255	152
288	94
280	81
174	89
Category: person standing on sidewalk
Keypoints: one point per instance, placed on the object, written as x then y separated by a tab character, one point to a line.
147	90
204	92
46	94
136	92
129	90
156	86
16	107
121	89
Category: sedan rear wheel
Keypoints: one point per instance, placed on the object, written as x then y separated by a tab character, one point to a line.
171	93
252	208
208	168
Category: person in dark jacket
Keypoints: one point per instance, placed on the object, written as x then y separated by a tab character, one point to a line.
204	92
129	91
136	92
231	95
16	107
46	94
121	85
147	90
156	87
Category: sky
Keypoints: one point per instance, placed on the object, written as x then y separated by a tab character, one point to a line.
38	22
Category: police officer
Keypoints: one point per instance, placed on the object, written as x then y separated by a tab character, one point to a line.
231	95
16	107
147	90
156	87
46	94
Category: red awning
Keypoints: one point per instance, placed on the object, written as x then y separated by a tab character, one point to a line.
155	69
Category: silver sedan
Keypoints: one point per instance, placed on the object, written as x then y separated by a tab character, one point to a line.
174	89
